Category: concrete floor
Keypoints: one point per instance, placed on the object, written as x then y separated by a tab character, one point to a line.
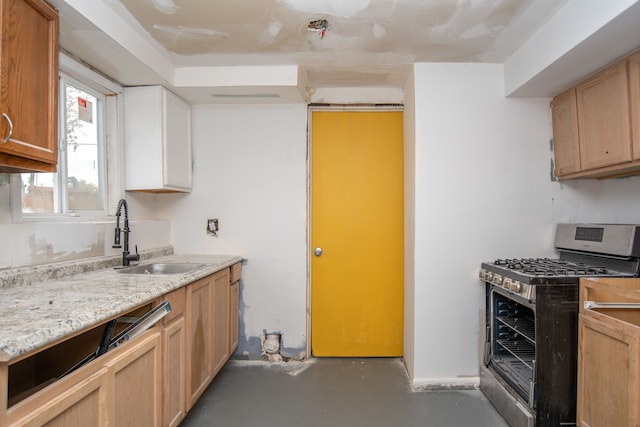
333	392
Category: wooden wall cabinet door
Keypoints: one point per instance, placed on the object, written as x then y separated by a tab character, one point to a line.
29	86
566	146
173	361
604	118
634	101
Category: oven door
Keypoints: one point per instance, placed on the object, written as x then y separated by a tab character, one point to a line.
512	342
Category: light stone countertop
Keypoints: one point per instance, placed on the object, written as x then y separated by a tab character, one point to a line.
41	313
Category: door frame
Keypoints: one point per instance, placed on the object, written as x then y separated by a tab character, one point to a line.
333	108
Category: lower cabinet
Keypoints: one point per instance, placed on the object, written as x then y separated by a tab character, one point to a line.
234	299
220	321
135	375
234	306
174	393
67	403
207	329
123	389
199	328
609	354
152	380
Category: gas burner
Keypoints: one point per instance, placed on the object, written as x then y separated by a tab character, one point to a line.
550	267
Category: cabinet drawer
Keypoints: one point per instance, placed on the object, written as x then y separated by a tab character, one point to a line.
236	270
177	301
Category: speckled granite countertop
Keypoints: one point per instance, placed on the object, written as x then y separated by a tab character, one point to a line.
38	314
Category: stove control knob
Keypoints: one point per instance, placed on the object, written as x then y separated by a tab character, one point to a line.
497	279
506	283
516	286
528	292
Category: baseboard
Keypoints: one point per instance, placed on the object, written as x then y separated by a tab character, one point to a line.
456	383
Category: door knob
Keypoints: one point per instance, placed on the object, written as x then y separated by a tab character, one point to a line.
317	251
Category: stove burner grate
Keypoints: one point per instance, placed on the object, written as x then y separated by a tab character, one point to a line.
550	267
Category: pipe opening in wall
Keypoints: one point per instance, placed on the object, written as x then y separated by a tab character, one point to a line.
271	346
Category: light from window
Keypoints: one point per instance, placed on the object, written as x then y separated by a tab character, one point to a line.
78	184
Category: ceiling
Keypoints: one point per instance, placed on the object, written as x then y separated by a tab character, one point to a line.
367	43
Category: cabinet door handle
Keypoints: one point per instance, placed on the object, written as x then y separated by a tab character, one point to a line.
8	137
593	304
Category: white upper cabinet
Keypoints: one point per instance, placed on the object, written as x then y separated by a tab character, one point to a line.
157	134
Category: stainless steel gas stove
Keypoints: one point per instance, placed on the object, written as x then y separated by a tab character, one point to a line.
530	360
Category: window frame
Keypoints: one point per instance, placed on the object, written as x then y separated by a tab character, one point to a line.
112	135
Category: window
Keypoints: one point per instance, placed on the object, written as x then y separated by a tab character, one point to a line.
79	187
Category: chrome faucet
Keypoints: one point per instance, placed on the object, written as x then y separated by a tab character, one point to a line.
126	256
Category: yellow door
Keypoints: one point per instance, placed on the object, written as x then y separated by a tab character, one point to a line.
357	224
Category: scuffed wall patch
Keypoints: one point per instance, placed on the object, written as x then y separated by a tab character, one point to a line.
269	34
344	9
165	6
45	251
181	31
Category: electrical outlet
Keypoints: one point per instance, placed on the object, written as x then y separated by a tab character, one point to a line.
212	226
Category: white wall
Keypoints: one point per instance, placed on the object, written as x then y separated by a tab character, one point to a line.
32	242
483	190
250	173
409	223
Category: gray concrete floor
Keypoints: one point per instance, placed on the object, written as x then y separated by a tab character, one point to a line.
333	392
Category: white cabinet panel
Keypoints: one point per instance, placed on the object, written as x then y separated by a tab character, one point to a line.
157	140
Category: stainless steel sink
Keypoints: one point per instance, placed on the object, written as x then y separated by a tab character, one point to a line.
163	268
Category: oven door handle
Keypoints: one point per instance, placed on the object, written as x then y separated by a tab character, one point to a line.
593	304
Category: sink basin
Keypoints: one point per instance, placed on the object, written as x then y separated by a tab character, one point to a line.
162	268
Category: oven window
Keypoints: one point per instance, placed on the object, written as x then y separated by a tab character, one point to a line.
513	351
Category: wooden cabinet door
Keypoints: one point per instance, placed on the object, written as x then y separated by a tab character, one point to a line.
220	319
174	380
603	118
69	403
608	372
566	148
234	301
634	101
136	377
199	338
29	86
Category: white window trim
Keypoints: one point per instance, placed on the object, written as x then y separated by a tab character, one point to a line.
113	142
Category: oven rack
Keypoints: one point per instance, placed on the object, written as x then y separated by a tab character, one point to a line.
526	353
521	325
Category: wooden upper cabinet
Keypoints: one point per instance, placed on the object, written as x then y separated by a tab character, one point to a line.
29	86
634	101
566	145
604	119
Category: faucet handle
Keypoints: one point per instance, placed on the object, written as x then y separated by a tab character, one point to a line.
136	256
